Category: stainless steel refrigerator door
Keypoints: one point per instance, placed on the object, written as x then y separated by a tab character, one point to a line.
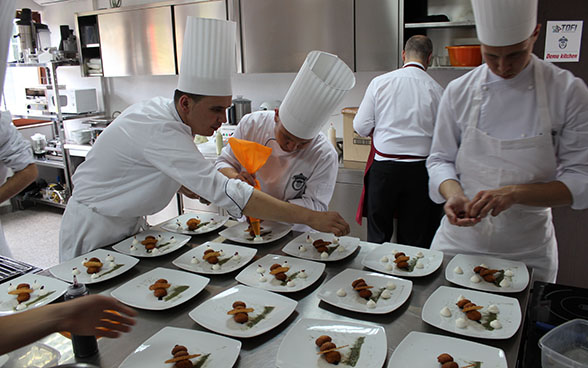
137	42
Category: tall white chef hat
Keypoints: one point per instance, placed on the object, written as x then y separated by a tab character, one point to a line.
208	57
318	88
7	13
504	22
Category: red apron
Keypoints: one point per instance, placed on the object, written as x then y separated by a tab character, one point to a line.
361	209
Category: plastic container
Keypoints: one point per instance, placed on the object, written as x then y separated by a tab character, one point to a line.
469	55
566	346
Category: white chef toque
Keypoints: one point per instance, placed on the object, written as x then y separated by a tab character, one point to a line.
208	57
504	22
318	88
7	12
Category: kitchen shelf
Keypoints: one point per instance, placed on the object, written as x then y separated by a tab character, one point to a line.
50	163
64	116
65	62
440	24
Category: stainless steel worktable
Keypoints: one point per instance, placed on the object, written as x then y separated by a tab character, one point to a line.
261	351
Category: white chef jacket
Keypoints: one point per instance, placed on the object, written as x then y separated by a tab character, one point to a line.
514	114
16	154
400	108
306	177
134	169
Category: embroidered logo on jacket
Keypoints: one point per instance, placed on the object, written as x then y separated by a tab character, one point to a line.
299	182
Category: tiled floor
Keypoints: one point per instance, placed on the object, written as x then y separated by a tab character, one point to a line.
33	234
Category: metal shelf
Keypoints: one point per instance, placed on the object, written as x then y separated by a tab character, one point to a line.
50	163
440	24
66	62
64	116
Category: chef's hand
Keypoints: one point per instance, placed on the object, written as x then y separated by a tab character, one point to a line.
456	211
188	193
96	315
247	178
491	201
329	222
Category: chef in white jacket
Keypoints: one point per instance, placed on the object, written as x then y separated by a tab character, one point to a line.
15	151
302	168
147	154
510	142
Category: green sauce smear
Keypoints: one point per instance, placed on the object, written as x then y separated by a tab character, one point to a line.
201	361
376	294
290	278
37	299
266	310
499	278
355	351
330	250
224	260
489	318
475	364
201	224
262	233
176	291
411	264
111	270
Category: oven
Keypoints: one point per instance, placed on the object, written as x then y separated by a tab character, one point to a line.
550	306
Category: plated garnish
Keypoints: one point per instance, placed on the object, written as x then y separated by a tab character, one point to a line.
500	278
27	295
447	361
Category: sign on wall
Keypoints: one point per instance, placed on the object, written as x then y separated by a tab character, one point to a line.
563	40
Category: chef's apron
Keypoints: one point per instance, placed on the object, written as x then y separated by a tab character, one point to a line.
522	233
362	207
83	229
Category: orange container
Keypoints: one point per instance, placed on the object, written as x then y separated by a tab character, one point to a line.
465	55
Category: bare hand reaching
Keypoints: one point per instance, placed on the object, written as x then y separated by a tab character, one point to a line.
246	177
329	222
188	193
491	201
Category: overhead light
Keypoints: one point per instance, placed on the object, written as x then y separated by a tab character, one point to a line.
50	2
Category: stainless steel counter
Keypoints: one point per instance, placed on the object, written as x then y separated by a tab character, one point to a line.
261	351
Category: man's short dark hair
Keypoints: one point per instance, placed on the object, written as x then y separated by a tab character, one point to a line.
419	46
194	97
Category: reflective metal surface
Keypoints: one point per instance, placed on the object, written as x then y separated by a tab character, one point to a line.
261	351
137	42
277	35
215	9
376	35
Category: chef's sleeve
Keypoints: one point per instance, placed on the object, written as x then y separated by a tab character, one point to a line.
365	119
186	165
446	140
15	151
572	145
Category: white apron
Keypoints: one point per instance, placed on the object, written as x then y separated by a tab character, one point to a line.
86	232
4	249
522	233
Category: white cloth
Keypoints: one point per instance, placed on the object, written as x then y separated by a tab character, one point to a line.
483	159
306	177
16	154
400	107
504	22
208	57
134	169
321	83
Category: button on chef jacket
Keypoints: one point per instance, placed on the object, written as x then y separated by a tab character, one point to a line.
137	165
306	177
16	154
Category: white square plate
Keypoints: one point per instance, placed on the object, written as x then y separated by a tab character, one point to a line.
212	314
52	289
238	233
259	270
419	349
136	293
302	246
298	349
227	262
123	264
400	291
173	242
518	282
382	259
509	312
209	222
222	351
